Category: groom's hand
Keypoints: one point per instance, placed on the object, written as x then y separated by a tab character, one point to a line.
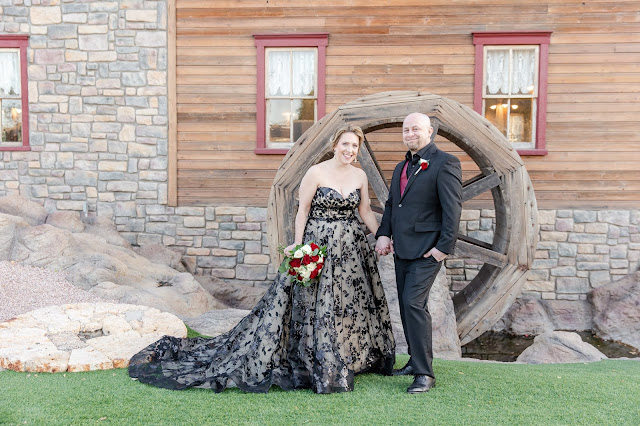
437	254
384	246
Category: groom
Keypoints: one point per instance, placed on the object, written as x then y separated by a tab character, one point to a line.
421	216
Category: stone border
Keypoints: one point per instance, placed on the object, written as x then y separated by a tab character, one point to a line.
82	337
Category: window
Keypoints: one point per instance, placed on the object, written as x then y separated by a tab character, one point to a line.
14	104
511	86
290	89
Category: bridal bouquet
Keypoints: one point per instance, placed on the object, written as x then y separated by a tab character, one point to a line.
305	263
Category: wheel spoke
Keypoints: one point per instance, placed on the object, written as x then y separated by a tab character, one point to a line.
479	250
374	173
479	184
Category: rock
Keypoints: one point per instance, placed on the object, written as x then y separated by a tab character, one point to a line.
158	253
15	205
237	296
8	226
559	347
535	316
68	220
105	229
574	315
88	359
90	251
446	342
82	337
616	309
526	316
214	323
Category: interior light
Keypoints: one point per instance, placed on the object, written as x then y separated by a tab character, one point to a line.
493	106
505	105
514	106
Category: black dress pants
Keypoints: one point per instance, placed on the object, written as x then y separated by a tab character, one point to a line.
414	279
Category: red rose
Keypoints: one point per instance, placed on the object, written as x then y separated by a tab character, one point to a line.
315	258
299	277
314	274
306	259
294	263
424	165
319	266
292	272
314	246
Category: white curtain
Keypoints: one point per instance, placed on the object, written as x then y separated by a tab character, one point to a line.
523	71
9	73
304	73
279	73
498	71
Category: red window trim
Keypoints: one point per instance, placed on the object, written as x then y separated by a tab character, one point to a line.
262	41
21	42
515	38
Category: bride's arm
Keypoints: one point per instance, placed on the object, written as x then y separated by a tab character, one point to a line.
308	187
367	215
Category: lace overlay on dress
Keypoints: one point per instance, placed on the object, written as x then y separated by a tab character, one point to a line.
296	337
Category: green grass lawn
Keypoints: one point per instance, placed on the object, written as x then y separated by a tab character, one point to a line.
606	392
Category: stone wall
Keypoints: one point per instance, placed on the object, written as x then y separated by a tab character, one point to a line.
578	250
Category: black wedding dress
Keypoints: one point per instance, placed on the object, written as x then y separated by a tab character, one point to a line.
296	337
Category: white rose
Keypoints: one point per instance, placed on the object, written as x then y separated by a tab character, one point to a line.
311	267
306	249
298	254
305	273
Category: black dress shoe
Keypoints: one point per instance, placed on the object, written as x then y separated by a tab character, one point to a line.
407	370
422	383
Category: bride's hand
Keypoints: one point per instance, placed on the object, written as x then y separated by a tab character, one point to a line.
288	250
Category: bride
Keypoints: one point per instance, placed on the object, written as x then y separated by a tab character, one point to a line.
296	337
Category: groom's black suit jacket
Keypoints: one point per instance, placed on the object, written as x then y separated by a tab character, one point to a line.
427	214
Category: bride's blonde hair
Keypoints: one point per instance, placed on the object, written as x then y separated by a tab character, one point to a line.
347	129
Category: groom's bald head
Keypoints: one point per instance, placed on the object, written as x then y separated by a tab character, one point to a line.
416	131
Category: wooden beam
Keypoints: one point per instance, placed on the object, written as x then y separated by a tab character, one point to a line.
478	252
374	172
479	184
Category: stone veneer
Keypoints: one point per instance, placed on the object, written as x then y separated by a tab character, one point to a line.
578	250
98	135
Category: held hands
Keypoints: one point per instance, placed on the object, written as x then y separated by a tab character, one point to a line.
437	254
384	246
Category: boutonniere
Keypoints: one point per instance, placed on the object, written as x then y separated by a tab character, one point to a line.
423	166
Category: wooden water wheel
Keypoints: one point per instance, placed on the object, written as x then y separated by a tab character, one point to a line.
506	260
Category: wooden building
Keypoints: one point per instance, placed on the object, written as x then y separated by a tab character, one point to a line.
584	152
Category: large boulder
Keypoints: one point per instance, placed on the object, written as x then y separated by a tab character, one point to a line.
68	220
159	253
525	316
559	347
91	252
214	323
616	309
8	227
237	296
535	316
15	205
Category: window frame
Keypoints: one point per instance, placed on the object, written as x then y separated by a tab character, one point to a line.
512	39
264	41
20	42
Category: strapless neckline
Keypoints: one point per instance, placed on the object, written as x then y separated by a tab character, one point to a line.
340	193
